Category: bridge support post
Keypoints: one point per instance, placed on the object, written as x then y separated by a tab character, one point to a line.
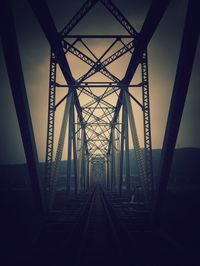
147	127
122	150
16	78
50	128
127	159
113	174
117	155
88	171
69	156
108	172
137	149
83	174
59	151
79	154
74	154
182	79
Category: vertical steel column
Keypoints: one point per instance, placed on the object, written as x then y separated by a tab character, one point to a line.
74	153
83	160
147	125
182	79
108	172
61	140
87	172
137	149
50	128
84	169
104	173
91	173
122	151
16	78
59	151
127	159
117	155
69	156
113	174
79	148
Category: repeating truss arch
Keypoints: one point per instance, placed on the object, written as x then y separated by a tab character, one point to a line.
98	105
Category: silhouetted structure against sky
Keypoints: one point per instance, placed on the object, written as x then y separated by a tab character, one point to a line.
163	51
102	108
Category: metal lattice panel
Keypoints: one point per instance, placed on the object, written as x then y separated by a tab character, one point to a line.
98	106
92	126
147	126
50	126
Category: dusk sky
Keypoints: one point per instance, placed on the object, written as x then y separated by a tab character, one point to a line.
163	56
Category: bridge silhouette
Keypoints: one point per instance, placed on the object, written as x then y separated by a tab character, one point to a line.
98	213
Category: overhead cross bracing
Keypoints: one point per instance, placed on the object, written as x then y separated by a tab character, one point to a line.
98	124
98	109
133	43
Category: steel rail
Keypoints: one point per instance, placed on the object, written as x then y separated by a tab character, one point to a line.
82	231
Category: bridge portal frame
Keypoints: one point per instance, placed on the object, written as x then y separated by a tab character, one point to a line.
156	11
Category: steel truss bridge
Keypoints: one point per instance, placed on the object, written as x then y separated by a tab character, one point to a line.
98	129
98	115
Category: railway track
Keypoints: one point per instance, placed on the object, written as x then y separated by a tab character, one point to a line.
98	238
99	228
112	233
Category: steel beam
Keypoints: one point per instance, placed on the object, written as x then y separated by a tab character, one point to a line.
76	52
127	159
113	173
151	22
108	172
57	41
50	128
138	153
75	154
97	36
119	16
69	156
182	79
59	150
47	24
79	154
97	66
83	183
122	151
114	85
102	66
115	117
16	78
117	154
87	172
43	15
147	125
78	16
